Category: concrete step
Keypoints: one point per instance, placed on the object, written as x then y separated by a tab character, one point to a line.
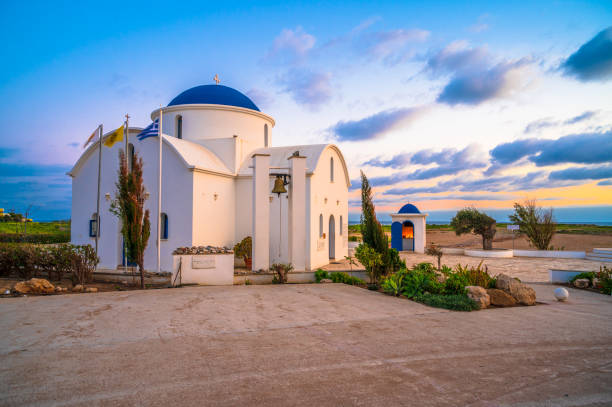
603	250
599	257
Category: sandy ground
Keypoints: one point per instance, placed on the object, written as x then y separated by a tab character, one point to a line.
311	345
503	239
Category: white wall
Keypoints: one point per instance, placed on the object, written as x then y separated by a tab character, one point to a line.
213	218
327	198
176	202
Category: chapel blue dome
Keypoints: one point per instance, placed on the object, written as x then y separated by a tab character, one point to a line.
214	95
409	208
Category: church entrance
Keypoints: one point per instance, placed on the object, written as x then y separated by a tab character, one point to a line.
332	237
408	236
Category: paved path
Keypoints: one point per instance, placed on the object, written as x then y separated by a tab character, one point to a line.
528	269
310	345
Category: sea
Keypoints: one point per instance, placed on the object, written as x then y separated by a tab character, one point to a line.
589	215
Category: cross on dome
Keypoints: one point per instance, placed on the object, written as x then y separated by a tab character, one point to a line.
216	79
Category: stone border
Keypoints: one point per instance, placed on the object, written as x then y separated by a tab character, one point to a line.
557	254
453	250
495	253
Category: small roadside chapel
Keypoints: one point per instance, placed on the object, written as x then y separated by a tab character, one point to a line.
408	229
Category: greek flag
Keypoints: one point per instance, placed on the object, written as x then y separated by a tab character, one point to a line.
150	131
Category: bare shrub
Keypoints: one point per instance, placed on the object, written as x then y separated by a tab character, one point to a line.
534	222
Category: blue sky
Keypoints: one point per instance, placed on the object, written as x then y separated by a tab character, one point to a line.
444	103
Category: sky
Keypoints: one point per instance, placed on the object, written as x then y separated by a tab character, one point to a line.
444	104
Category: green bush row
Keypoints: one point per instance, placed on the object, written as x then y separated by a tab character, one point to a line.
338	277
28	260
35	238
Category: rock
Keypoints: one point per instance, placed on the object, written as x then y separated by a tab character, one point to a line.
91	290
77	288
34	286
581	283
326	280
58	289
522	293
561	294
501	298
596	283
479	295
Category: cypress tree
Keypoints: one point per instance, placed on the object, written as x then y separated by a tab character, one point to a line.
371	230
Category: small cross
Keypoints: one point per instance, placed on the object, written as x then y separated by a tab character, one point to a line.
216	79
127	116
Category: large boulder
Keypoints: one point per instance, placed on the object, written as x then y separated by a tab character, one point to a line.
522	293
581	283
34	286
478	295
500	298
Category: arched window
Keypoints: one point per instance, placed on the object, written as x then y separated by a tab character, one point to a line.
331	169
163	222
94	230
130	156
340	232
321	225
265	135
179	126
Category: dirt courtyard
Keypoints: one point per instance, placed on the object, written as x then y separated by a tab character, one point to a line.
311	345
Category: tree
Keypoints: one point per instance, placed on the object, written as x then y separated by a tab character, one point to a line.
471	220
128	206
372	232
534	222
435	251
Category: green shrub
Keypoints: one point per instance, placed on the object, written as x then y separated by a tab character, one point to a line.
605	280
282	271
588	275
476	276
454	302
342	277
455	284
421	278
27	260
371	260
320	274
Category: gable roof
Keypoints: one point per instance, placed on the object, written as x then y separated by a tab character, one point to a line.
279	158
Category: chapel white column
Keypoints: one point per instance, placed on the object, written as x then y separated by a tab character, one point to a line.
261	211
297	212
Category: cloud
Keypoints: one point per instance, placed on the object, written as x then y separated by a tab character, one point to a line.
307	87
47	187
448	160
456	57
475	197
290	46
260	97
474	77
476	87
586	148
605	182
593	60
365	24
391	46
375	126
583	173
548	122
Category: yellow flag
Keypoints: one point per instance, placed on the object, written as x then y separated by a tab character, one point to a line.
114	137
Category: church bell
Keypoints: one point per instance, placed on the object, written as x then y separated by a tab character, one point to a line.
279	186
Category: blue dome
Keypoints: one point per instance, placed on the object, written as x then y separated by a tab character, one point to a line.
213	95
409	208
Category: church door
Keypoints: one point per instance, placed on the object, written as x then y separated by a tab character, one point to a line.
332	237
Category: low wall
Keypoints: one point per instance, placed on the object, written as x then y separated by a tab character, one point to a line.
563	276
453	250
293	277
495	253
203	269
555	254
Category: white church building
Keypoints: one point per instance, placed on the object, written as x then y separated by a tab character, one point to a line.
218	172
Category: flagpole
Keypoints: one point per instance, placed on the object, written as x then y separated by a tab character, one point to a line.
100	127
159	192
127	161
